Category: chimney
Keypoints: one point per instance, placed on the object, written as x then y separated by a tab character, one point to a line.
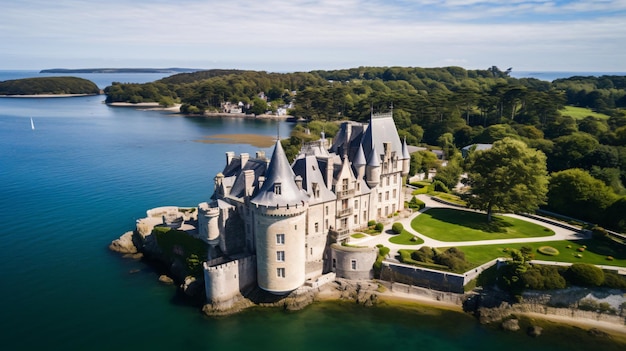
261	181
299	182
260	154
229	157
248	176
244	159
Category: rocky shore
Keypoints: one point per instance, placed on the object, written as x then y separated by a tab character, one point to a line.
487	307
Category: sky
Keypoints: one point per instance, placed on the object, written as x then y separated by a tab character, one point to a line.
305	35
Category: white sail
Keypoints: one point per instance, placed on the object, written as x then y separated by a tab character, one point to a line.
32	124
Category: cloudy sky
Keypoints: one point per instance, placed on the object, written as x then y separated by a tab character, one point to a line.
303	35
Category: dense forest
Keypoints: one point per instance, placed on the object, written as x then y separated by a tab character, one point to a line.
48	85
578	122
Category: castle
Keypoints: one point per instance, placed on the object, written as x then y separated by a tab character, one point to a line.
278	225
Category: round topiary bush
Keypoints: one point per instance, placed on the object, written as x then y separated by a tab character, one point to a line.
397	228
379	227
548	251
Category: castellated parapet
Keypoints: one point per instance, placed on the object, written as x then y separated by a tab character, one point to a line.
224	282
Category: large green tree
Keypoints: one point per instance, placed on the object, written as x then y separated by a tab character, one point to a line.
509	177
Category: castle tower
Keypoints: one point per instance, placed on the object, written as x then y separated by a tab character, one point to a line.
359	163
406	159
372	169
279	210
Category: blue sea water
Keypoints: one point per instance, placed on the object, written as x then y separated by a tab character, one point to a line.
87	172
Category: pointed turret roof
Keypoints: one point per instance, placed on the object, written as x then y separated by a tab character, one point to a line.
405	150
279	172
373	160
359	158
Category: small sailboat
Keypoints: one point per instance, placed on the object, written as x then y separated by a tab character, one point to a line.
32	124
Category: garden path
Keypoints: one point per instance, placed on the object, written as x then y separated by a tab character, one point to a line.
560	233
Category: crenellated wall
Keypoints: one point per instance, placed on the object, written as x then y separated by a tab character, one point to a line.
224	282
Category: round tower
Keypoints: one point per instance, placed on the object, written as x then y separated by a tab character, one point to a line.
406	159
280	247
372	169
279	211
208	223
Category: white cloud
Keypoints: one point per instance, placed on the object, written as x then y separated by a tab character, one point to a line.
318	32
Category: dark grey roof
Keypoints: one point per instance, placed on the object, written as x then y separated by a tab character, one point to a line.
359	158
237	182
279	172
382	129
310	170
374	160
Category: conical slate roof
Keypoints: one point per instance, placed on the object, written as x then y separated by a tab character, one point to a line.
405	150
374	161
359	158
280	173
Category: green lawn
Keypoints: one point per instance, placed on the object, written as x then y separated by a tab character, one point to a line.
406	238
358	235
595	253
581	112
458	225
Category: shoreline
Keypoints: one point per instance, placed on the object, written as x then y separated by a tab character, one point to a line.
47	96
329	293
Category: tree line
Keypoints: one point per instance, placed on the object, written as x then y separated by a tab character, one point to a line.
444	108
48	85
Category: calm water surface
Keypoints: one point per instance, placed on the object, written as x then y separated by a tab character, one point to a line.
83	177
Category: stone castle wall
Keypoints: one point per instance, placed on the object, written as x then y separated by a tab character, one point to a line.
355	263
224	282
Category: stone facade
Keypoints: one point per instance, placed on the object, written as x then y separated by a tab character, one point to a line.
287	216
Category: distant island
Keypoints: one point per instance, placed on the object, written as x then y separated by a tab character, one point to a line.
119	70
48	86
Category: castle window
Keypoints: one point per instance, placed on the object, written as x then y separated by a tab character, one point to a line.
364	216
386	210
280	239
280	256
344	184
387	180
311	251
280	272
380	197
327	224
277	188
386	195
317	227
327	210
353	264
394	193
395	179
356	219
334	263
356	203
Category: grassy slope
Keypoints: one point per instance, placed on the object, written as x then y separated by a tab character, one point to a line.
457	225
581	112
595	253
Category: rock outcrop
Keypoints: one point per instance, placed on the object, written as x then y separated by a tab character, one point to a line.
511	324
124	244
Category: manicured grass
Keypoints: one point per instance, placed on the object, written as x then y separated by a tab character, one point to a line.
449	198
406	238
458	225
358	235
581	112
595	253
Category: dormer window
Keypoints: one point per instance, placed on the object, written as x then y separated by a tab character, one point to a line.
277	188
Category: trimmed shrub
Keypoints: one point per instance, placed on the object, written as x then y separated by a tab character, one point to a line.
397	228
548	251
371	222
416	203
585	274
379	227
439	186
